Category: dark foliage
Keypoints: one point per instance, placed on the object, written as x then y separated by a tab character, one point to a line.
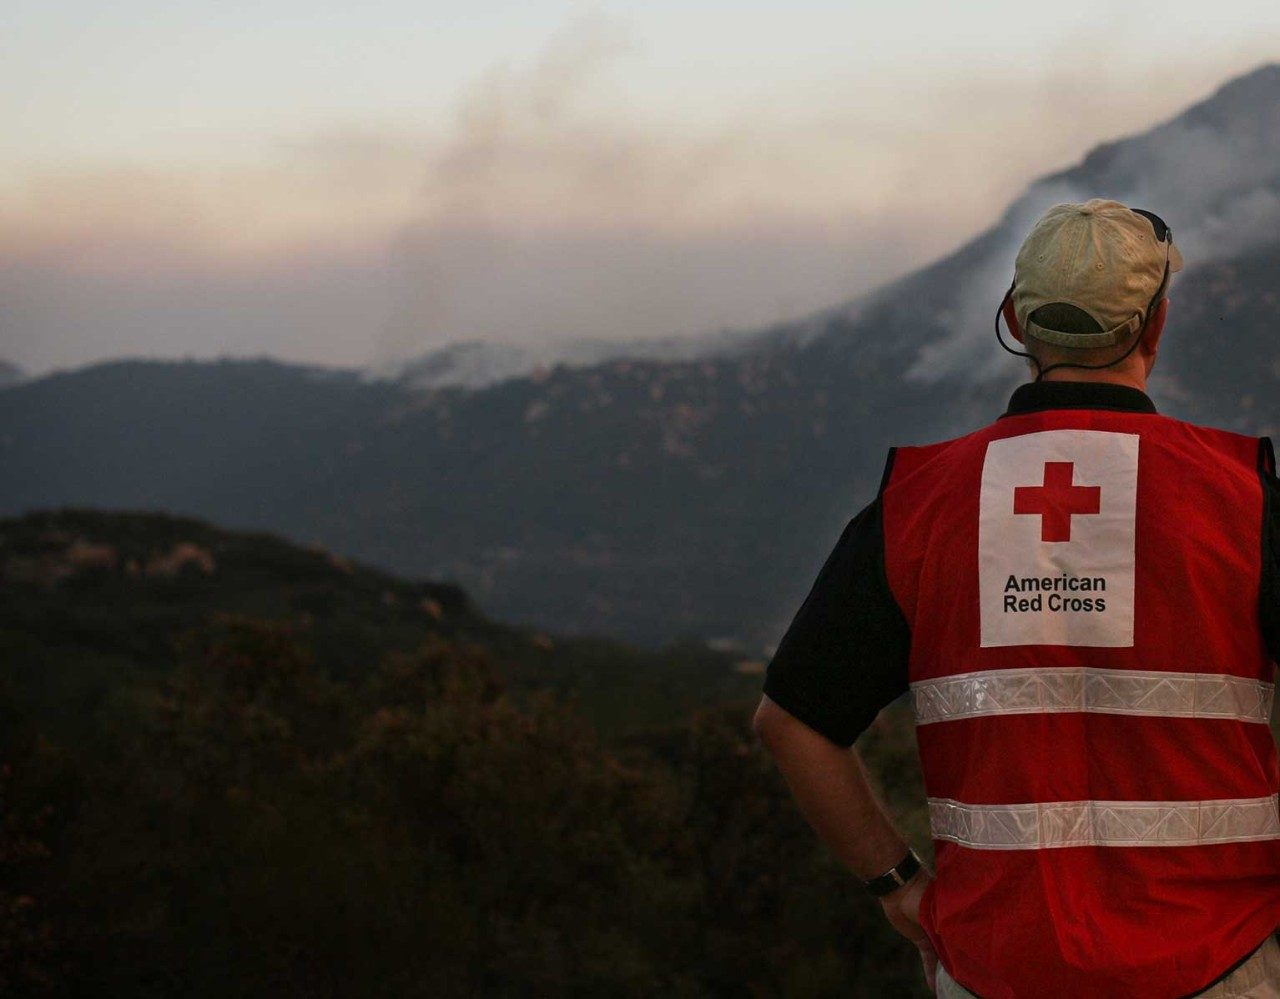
208	792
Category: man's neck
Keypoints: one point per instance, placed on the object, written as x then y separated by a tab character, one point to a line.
1060	393
1132	378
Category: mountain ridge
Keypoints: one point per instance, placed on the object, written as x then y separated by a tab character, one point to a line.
654	499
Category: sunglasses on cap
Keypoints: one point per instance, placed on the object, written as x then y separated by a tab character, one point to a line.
1163	233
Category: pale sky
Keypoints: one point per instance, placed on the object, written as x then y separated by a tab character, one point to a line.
349	183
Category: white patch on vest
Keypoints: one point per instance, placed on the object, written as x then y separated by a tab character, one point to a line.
1056	539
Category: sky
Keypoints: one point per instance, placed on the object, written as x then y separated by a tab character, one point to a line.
356	184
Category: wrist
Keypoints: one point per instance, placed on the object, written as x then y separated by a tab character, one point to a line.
901	907
916	882
897	877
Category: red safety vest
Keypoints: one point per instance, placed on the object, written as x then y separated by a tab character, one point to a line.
1092	694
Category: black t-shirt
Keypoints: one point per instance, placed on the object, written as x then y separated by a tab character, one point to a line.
844	657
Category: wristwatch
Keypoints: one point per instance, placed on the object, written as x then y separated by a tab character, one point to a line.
895	877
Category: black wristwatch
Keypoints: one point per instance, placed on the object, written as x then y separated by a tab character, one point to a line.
895	877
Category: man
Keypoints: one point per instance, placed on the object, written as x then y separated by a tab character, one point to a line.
1083	600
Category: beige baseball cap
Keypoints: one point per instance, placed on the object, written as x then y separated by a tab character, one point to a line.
1102	257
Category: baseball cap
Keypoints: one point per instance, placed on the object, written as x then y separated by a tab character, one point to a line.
1106	259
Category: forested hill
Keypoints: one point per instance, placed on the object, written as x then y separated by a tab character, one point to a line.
230	766
110	594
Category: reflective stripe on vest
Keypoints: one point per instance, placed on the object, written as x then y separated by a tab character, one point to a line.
1043	825
1085	688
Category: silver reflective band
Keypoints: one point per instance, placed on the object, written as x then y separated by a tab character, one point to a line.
1044	825
1084	688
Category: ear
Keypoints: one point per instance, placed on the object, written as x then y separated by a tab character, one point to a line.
1155	327
1011	318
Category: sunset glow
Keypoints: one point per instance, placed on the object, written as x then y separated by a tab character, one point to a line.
565	155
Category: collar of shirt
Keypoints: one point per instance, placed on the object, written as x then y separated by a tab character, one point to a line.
1035	396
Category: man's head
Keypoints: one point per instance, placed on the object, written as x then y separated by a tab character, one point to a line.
1089	282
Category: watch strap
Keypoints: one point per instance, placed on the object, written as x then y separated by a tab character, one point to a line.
896	876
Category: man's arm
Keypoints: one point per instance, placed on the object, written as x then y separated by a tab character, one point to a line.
843	658
830	787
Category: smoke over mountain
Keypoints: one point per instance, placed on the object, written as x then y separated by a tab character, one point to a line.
1212	173
547	216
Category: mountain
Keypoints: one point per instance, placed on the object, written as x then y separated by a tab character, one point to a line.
10	373
650	498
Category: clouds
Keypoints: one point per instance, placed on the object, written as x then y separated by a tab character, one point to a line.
285	256
131	218
557	199
544	207
301	307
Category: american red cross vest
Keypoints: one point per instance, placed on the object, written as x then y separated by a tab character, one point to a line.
1092	694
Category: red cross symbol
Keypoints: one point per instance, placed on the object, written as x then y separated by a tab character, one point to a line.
1057	500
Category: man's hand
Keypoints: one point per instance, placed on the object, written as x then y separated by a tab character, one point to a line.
902	909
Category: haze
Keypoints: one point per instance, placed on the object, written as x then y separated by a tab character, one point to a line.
357	185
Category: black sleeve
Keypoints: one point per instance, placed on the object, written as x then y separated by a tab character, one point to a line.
844	657
1269	595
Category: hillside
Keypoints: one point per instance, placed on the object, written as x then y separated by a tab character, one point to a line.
658	499
110	595
233	766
